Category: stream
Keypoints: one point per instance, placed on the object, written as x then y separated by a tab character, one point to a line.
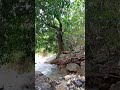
50	70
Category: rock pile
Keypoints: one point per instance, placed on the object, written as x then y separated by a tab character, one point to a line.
74	82
70	82
44	83
71	62
73	57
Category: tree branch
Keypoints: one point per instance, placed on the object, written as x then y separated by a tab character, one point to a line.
53	26
50	25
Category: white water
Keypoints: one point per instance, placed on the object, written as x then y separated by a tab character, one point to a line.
49	70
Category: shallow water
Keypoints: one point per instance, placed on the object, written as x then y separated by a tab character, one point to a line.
49	70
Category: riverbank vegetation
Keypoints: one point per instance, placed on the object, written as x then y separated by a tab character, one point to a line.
60	25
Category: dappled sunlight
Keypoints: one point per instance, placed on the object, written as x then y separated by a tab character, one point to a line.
40	59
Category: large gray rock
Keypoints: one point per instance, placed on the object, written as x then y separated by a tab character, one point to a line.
42	82
73	67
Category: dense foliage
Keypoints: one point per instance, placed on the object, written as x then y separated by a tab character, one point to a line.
54	17
102	42
17	30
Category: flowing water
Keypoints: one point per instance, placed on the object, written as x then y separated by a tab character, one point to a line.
49	70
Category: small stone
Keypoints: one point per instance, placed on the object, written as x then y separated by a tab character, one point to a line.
82	78
67	77
78	83
68	82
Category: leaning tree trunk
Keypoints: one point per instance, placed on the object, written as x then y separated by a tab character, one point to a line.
60	40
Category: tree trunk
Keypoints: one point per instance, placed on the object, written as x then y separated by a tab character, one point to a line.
60	40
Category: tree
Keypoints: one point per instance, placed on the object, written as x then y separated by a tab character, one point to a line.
50	15
58	17
17	29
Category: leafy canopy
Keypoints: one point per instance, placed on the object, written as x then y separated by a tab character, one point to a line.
49	15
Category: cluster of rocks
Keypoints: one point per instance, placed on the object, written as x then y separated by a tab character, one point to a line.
69	82
71	62
75	82
44	83
72	65
72	57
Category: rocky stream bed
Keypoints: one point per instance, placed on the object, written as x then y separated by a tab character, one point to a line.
62	74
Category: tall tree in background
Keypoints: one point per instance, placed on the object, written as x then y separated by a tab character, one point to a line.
57	17
50	15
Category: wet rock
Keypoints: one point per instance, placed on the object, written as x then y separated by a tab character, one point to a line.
55	61
73	67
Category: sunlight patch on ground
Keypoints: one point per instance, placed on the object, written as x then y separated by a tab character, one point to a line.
40	59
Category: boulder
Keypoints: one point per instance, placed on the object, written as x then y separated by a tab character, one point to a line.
42	82
73	67
54	61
